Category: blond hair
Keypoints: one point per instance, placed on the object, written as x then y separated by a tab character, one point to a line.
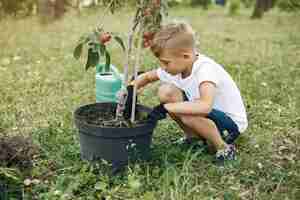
175	36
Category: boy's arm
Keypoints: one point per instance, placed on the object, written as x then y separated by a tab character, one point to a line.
201	106
145	78
140	82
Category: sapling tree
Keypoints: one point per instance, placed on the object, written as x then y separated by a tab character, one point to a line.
145	22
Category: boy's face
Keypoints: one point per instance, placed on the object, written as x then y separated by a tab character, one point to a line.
176	62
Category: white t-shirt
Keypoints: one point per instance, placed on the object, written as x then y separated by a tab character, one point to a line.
227	99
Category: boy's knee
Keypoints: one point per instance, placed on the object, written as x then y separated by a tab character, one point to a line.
190	120
169	93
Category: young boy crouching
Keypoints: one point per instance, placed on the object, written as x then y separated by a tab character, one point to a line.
196	92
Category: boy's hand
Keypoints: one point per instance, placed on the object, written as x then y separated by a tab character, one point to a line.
159	112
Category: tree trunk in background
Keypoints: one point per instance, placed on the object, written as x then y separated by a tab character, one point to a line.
60	8
10	6
269	4
78	7
51	9
262	6
46	11
273	3
259	9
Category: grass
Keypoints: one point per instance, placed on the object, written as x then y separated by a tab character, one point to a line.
41	85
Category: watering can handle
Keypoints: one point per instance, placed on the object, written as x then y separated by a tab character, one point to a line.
113	69
116	72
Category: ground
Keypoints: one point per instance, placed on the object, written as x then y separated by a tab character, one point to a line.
41	85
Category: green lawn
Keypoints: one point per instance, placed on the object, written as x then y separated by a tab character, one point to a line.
41	85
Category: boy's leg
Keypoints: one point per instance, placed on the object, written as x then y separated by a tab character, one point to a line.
225	123
189	133
205	128
169	93
201	126
193	125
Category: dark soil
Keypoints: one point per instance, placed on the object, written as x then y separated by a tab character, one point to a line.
104	116
17	151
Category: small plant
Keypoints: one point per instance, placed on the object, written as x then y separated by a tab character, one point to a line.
96	43
147	19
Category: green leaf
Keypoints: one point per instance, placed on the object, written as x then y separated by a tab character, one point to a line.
107	61
83	39
93	59
120	41
77	51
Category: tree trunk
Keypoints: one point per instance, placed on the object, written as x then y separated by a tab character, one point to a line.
259	9
60	8
78	7
262	6
268	5
46	11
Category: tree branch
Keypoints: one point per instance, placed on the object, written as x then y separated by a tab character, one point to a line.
136	69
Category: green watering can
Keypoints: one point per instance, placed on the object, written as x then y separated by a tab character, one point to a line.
108	83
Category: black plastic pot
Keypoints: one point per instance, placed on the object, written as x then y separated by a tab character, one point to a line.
115	145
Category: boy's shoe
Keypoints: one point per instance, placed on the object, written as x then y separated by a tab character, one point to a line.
225	154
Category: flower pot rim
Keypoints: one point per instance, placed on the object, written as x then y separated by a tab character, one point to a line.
103	131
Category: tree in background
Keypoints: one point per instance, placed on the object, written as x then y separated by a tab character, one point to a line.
234	7
10	6
13	7
289	5
203	3
262	6
59	8
248	3
51	9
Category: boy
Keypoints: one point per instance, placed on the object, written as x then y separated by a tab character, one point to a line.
197	92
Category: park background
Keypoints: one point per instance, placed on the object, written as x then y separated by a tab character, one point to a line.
42	84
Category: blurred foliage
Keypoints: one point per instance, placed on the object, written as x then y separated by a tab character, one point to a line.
248	3
203	3
234	7
175	2
49	10
289	5
13	7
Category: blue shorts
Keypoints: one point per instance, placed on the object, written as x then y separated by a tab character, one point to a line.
226	126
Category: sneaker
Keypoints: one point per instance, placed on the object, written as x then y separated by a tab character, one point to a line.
226	154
